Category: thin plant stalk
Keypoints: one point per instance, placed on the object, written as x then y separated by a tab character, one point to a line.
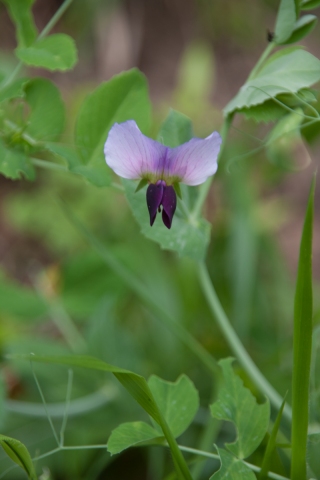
235	343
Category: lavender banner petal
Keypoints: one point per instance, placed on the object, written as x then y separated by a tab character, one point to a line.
195	160
131	154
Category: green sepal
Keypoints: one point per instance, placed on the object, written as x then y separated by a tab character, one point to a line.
141	184
177	189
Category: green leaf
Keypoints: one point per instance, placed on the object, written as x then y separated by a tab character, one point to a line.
286	19
47	118
14	163
108	104
56	52
265	467
178	402
187	237
236	404
143	182
132	434
302	344
282	73
123	98
309	4
19	454
232	468
302	28
14	90
21	15
269	111
175	130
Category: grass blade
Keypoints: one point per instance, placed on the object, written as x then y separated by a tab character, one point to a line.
271	445
302	343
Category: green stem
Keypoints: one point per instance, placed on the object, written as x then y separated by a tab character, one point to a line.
179	460
261	60
235	344
54	20
37	162
201	453
205	187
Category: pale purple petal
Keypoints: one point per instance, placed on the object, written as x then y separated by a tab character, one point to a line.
194	161
131	154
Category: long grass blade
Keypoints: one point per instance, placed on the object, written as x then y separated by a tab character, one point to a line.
302	343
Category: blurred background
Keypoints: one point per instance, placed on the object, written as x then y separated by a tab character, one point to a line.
58	296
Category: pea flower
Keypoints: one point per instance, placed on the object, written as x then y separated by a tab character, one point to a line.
132	155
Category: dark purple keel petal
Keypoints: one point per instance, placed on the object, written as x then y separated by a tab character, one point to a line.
154	198
169	203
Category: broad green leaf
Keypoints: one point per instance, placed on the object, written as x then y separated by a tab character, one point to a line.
13	90
236	404
175	130
302	28
178	402
19	454
309	4
132	434
14	164
232	468
302	345
187	237
269	111
286	19
47	118
56	52
20	12
289	72
135	384
271	445
122	98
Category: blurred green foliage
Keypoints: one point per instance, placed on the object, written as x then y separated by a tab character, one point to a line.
70	289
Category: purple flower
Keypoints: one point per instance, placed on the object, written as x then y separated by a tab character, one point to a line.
133	155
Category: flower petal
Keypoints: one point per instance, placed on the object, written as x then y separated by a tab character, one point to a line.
169	203
195	161
154	198
131	154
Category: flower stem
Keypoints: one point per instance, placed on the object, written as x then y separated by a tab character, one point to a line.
236	346
54	20
259	63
